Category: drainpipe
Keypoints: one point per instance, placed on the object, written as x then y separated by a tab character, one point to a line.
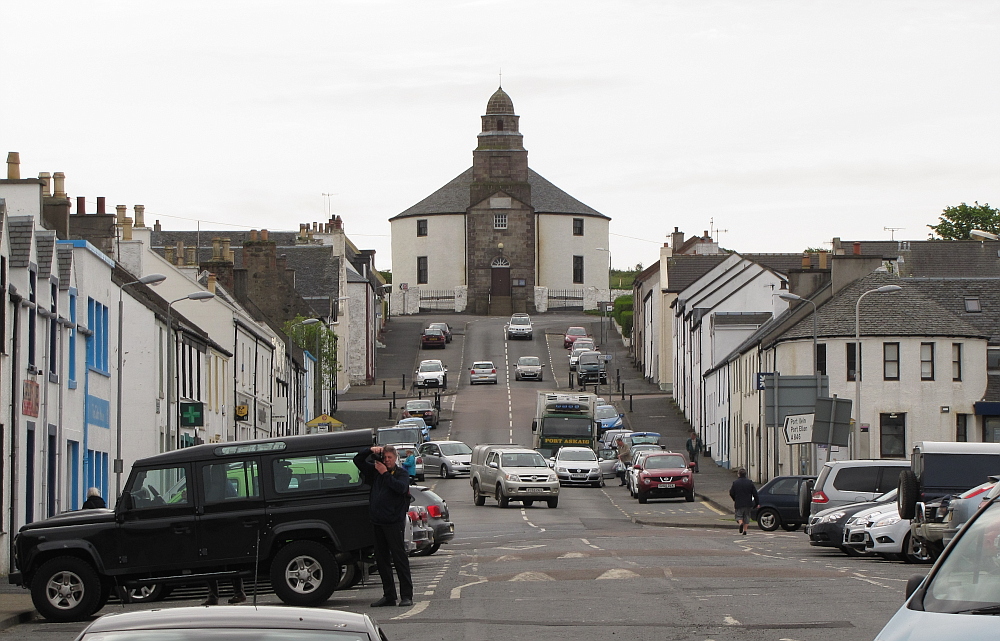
86	412
15	383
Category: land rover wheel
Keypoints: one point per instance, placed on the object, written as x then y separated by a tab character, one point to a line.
906	498
304	573
501	498
477	498
66	589
917	551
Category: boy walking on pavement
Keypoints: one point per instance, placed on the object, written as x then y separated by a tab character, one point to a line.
694	445
744	496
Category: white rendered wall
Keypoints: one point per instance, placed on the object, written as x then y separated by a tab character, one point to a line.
556	246
444	247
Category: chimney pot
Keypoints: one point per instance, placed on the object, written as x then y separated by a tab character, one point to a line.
263	234
170	254
180	253
46	178
823	260
120	213
253	235
127	229
227	253
100	205
140	215
216	248
59	184
211	282
857	248
156	227
191	256
806	260
13	165
81	205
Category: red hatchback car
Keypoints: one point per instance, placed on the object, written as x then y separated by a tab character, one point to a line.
572	334
665	475
432	338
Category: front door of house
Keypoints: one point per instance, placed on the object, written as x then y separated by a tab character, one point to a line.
500	277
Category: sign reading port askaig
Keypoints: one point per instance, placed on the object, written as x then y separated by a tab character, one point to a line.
192	415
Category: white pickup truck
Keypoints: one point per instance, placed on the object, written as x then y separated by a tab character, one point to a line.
512	473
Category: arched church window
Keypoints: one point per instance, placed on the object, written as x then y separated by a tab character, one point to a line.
499	124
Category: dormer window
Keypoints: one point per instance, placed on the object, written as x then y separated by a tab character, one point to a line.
972	304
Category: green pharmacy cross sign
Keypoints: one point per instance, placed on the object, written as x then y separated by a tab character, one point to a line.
192	414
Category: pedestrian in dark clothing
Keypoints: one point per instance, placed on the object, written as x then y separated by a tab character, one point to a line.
94	500
744	496
387	507
239	596
694	446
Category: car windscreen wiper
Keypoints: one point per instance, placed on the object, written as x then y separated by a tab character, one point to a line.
991	609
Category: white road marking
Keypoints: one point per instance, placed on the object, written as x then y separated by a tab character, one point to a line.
728	620
573	555
618	573
456	593
417	608
532	576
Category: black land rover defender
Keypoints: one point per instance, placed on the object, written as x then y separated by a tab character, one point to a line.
294	509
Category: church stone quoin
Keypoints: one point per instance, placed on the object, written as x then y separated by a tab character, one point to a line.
517	229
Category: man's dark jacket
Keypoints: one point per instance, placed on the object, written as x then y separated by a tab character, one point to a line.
390	496
94	502
743	493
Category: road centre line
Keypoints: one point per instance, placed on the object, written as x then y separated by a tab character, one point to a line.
417	608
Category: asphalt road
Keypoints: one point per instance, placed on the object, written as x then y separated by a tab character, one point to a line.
584	571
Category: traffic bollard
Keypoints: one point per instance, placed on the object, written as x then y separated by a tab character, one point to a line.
390	410
630	402
404	382
623	392
618	378
420	393
393	406
437	401
383	388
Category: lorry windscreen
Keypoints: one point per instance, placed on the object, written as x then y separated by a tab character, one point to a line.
567	426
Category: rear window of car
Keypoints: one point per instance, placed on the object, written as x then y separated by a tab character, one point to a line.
958	471
857	479
823	474
431	332
785	486
482	365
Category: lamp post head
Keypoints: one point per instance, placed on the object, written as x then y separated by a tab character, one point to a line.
790	296
152	279
309	321
200	296
888	289
979	234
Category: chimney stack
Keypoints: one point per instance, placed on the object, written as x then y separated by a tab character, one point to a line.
100	205
170	254
59	184
676	239
120	213
81	205
857	248
140	213
216	248
46	179
127	229
211	282
13	166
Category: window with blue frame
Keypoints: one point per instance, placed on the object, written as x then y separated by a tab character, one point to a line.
73	470
97	471
97	346
72	342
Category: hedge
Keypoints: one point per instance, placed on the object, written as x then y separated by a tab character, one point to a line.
625	320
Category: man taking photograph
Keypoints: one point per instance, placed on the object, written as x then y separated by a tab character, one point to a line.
388	504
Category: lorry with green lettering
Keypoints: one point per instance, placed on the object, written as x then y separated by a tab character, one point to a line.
564	419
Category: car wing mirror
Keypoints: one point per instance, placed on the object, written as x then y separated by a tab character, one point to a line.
494	465
126	502
913	583
622	415
542	365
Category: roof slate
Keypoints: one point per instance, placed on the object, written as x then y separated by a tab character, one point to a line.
684	270
914	311
453	198
21	229
45	244
938	258
64	255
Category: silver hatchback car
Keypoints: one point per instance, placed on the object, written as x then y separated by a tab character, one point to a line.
483	372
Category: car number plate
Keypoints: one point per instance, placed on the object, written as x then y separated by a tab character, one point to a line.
666	485
535	489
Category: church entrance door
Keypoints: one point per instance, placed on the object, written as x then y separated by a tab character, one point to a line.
500	273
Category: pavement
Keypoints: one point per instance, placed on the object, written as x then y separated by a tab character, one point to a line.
15	606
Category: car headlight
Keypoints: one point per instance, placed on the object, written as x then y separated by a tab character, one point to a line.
830	518
889	520
511	477
553	477
562	469
454	462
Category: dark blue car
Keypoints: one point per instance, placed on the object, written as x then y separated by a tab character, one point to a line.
779	503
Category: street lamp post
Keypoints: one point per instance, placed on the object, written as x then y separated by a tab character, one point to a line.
151	279
171	366
884	289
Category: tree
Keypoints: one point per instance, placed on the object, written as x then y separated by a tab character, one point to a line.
313	337
956	222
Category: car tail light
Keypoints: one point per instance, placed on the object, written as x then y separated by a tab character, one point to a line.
819	497
435	511
494	371
413	516
420	460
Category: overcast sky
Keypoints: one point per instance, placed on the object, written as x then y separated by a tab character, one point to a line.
787	123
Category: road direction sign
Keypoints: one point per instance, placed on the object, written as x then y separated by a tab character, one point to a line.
404	286
798	429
